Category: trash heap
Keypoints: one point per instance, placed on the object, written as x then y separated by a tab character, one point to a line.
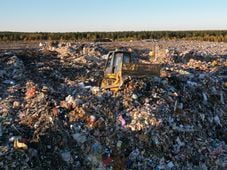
54	115
76	49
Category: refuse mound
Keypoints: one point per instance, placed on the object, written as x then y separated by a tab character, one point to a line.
54	114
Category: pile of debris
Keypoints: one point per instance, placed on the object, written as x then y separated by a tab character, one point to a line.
76	49
53	114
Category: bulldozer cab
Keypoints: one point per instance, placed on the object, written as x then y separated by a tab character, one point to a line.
115	61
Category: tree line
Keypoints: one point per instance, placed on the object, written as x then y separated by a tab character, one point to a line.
217	36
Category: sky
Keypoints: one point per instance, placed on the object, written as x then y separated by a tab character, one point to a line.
111	15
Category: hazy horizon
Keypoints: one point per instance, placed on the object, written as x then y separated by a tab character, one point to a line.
100	16
114	31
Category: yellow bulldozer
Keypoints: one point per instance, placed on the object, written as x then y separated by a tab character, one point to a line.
120	65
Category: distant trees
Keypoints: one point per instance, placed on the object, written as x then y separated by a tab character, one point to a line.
217	36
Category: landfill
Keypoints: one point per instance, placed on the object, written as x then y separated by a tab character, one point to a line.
54	115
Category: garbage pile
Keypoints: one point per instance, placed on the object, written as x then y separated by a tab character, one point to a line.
76	49
53	114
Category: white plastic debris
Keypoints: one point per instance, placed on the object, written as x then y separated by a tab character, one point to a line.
217	120
134	96
170	165
66	156
11	82
79	137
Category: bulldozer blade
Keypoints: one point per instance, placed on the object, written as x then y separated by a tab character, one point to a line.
141	69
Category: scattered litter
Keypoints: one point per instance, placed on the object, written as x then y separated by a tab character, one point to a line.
53	112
